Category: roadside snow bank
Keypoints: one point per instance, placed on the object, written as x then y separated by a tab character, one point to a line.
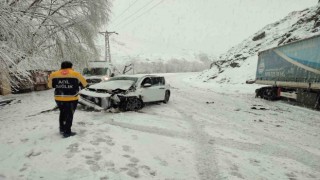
236	75
229	80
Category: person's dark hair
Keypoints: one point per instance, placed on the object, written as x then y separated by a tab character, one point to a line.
66	64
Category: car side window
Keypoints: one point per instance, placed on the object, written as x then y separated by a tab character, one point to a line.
162	81
155	81
158	81
146	81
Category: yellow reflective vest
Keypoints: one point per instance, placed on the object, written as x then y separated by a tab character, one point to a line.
67	84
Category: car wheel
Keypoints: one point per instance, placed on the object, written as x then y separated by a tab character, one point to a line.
166	97
133	104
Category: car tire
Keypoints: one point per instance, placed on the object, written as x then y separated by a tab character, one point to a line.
132	104
166	97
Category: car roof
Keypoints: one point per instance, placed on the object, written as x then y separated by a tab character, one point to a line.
139	75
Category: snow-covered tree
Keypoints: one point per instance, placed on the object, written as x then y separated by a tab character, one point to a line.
40	33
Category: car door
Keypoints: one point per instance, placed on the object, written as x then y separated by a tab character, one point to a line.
148	90
159	86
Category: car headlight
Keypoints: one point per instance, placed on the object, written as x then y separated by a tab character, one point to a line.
105	78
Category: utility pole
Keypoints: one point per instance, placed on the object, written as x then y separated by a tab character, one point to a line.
107	44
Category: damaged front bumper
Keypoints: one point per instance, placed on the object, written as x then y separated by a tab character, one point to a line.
99	101
89	104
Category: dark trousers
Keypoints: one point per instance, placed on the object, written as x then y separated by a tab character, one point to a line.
67	109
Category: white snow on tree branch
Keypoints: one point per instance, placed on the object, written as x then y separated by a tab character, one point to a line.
39	34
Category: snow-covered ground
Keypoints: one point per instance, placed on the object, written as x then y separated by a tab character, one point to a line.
207	131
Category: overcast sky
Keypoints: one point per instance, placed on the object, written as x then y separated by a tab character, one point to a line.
178	27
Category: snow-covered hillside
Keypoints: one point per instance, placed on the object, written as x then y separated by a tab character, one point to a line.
239	63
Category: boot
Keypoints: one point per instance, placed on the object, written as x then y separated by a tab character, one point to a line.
68	134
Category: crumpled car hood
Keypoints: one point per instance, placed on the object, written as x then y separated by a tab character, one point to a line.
93	77
112	85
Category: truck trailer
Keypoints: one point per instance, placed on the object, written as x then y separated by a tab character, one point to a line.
291	71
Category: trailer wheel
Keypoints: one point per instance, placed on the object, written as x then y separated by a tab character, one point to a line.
259	92
269	93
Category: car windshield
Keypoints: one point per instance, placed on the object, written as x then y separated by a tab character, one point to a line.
134	79
95	71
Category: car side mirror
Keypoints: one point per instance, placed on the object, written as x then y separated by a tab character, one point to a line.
147	85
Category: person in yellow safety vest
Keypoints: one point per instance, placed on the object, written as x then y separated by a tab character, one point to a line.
67	84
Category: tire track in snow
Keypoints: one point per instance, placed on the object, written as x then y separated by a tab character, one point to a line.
207	166
276	150
151	130
205	145
271	146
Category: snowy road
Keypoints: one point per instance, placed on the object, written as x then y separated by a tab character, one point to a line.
205	132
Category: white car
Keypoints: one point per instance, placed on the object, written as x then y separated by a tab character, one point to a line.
126	92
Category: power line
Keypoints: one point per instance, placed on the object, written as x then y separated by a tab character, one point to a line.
143	14
134	13
117	17
131	15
